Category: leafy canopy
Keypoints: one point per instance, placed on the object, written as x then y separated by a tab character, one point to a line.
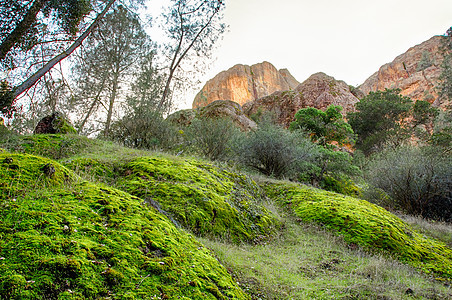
324	127
384	117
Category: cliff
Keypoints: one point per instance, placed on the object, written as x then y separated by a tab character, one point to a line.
415	72
243	83
319	91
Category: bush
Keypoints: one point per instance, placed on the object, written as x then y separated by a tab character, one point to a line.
419	180
210	137
145	131
274	151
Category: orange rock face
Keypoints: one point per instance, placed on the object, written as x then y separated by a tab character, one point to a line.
243	83
416	72
319	91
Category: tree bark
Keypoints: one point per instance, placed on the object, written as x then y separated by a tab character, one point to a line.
21	29
46	68
111	104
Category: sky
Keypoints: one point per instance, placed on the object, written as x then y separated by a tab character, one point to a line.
346	39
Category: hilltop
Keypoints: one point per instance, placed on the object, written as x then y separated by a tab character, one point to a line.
87	219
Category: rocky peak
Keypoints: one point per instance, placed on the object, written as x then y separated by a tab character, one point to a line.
416	72
243	83
319	91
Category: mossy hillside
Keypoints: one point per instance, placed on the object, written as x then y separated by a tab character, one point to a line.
20	172
54	146
206	199
366	224
81	240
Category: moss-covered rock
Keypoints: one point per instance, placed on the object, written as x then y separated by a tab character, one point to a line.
54	123
201	197
68	239
367	225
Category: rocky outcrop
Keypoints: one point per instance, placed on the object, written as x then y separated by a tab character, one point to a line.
319	91
54	123
216	109
415	72
243	83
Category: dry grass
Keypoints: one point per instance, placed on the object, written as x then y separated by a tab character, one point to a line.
307	262
438	230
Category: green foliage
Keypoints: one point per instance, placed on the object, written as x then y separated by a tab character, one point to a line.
211	137
367	225
327	163
324	127
112	56
26	26
418	180
6	99
383	117
79	240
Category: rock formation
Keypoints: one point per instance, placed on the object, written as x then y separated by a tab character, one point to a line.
415	72
54	123
216	109
243	83
319	91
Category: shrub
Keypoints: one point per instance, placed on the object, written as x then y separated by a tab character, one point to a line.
146	131
274	151
210	137
419	180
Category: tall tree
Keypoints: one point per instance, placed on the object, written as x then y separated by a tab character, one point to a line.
33	33
21	25
384	117
115	48
193	27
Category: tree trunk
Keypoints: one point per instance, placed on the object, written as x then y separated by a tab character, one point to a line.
21	28
91	108
35	77
111	104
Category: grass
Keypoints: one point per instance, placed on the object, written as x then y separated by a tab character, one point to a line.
92	219
306	261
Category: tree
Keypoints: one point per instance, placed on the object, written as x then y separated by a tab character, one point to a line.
384	117
114	49
21	24
21	29
142	126
192	26
324	127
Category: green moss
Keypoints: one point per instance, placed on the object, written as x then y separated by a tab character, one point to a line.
367	225
55	146
207	200
20	172
79	240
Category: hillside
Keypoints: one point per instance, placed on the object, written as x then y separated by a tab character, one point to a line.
87	219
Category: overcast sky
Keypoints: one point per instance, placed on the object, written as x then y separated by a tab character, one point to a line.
346	39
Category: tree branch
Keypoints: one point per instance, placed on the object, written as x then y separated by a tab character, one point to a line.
21	29
35	77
